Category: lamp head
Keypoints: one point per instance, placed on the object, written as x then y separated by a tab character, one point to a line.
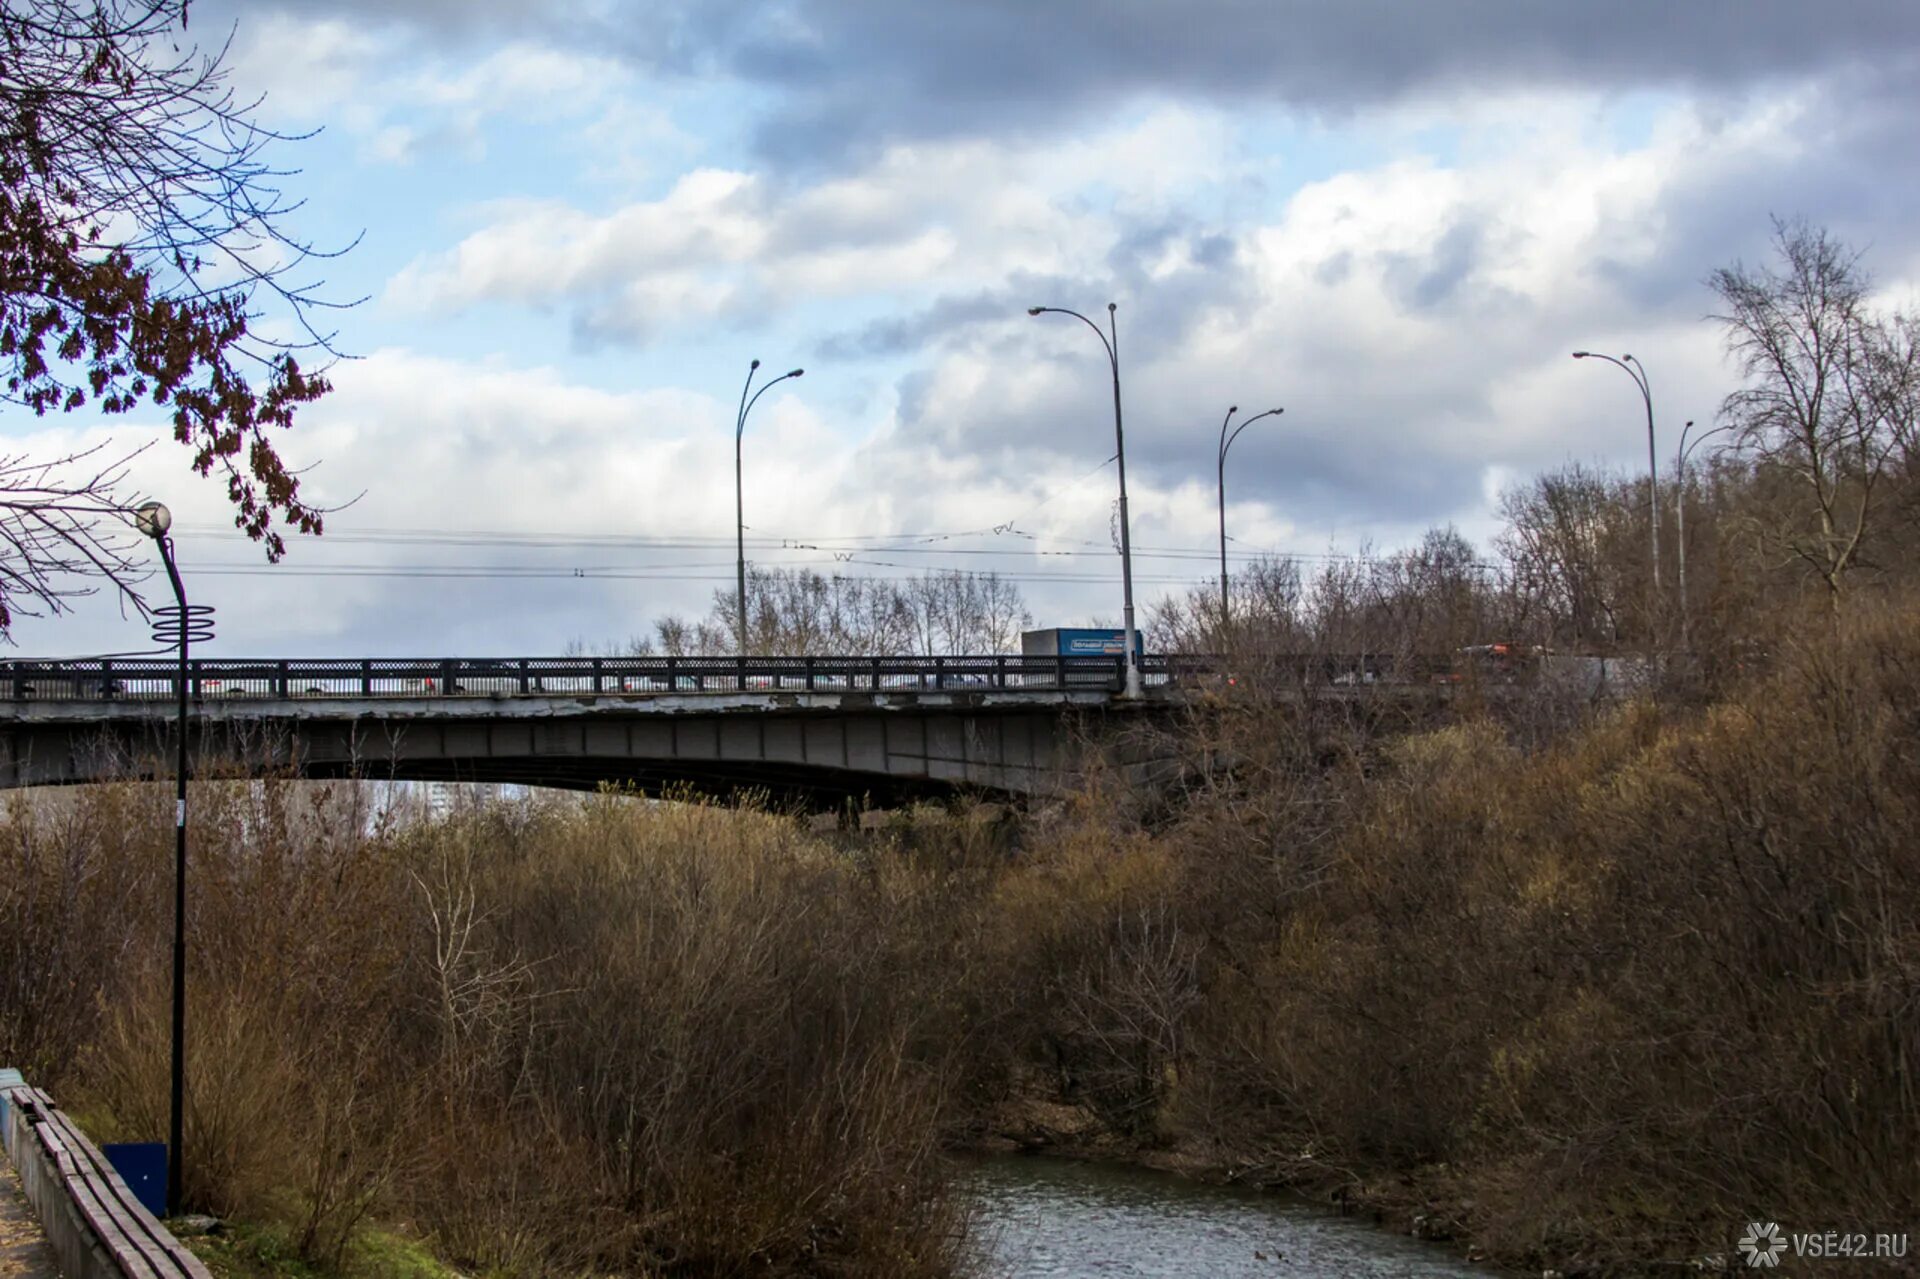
1035	310
1232	409
796	373
1581	355
153	519
1276	412
753	366
1113	306
1628	356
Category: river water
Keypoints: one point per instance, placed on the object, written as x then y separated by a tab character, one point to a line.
1041	1218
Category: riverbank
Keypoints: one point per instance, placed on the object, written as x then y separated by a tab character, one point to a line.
1420	1205
1048	1218
1434	1205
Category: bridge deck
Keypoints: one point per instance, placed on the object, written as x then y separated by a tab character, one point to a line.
824	729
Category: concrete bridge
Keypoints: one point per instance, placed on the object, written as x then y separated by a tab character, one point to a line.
817	730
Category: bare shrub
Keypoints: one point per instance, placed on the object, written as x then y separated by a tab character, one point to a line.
686	1037
1624	987
719	1051
83	875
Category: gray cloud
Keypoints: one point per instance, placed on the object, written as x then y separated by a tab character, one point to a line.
857	73
860	72
1847	165
930	327
1427	281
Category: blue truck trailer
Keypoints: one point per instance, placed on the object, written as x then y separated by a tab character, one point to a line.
1069	641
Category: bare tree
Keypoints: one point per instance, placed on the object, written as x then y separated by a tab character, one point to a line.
797	611
958	612
60	530
1830	394
1268	615
141	236
1561	546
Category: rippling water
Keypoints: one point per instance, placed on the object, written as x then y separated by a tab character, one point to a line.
1045	1218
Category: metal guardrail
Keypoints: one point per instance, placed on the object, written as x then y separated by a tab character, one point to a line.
156	678
562	676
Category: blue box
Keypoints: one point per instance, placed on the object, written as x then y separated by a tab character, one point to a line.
143	1166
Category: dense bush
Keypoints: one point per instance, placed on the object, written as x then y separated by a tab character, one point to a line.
555	1035
1604	998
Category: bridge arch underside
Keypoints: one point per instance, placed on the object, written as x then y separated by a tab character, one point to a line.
811	760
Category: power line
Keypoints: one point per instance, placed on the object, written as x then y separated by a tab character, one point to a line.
525	572
906	543
829	543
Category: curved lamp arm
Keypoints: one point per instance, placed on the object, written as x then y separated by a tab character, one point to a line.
1061	310
762	391
1686	449
1226	441
1634	369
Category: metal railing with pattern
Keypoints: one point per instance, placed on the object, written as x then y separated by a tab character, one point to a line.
144	679
140	679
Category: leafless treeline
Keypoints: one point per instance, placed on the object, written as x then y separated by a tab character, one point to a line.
799	612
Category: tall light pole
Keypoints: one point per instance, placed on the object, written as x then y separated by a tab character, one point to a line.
1637	371
1111	341
1226	442
739	500
154	519
1680	515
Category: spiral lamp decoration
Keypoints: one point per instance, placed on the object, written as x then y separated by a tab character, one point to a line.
169	620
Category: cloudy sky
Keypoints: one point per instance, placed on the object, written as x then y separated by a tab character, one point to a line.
578	222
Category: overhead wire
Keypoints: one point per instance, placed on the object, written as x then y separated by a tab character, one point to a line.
563	573
824	542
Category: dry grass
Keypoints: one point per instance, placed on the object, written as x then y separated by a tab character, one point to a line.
556	1036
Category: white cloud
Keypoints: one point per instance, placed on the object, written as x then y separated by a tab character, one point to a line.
1414	317
401	98
308	69
922	219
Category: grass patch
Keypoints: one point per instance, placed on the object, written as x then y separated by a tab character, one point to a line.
240	1251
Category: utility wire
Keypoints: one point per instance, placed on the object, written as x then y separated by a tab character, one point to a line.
535	572
830	543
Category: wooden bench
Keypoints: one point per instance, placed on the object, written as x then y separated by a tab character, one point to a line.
123	1238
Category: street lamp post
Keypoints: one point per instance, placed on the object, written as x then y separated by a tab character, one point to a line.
1226	442
1637	371
1111	341
1680	516
154	519
739	499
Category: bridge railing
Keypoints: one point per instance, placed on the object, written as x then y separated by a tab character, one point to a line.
157	678
414	677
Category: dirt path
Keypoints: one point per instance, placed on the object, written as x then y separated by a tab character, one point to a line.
24	1253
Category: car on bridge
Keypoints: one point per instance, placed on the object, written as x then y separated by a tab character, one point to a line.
68	686
1493	664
